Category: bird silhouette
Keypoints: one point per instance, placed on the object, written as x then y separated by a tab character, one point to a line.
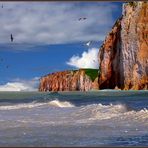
82	18
11	38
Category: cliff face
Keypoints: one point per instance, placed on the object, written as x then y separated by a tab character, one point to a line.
68	81
109	59
123	57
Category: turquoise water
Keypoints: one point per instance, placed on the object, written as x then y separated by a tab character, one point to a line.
101	118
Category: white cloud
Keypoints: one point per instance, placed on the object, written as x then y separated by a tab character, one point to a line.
21	85
88	59
55	22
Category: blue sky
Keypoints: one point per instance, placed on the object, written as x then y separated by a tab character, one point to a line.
48	37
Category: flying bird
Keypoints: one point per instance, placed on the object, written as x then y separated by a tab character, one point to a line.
88	43
84	18
11	38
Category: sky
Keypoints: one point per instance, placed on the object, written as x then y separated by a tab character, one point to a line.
49	37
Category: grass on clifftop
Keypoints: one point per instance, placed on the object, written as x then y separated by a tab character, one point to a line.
92	73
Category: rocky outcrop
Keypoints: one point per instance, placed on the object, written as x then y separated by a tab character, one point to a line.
74	80
123	57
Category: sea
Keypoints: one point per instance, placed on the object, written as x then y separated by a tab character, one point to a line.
58	119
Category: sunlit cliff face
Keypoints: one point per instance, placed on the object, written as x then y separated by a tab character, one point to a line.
124	54
76	80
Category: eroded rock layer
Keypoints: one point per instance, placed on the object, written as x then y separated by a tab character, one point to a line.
76	80
123	56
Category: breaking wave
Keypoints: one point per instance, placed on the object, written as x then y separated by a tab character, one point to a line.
58	103
82	114
21	106
101	112
86	112
54	103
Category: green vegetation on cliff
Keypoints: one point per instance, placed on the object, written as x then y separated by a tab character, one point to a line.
92	73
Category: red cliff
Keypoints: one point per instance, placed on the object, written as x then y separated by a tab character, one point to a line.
74	80
123	57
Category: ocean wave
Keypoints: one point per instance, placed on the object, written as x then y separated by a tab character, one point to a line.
89	112
61	104
53	103
21	106
101	112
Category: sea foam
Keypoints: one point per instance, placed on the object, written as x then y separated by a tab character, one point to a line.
53	103
61	104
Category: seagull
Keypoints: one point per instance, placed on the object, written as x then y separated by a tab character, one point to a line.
88	43
11	38
84	18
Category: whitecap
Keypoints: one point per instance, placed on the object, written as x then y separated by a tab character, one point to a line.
57	103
